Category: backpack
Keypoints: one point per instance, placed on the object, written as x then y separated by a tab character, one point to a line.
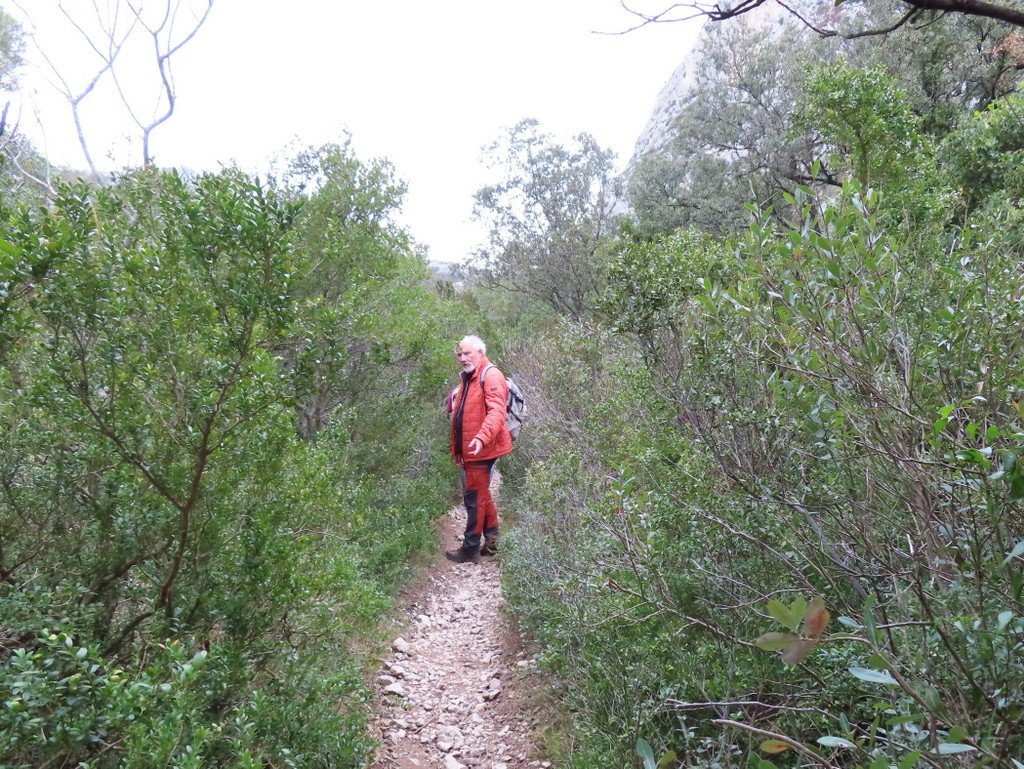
515	406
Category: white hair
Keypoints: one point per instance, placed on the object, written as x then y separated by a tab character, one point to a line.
476	342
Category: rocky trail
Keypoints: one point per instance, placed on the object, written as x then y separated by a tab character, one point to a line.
455	690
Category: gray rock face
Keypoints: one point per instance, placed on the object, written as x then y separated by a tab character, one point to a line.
678	89
658	129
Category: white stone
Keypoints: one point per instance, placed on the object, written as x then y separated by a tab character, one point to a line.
401	645
397	689
450	762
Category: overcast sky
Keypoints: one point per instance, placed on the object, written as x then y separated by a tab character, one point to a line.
423	83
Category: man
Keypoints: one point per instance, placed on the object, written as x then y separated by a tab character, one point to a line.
478	437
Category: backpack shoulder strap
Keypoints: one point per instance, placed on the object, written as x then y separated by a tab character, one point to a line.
484	373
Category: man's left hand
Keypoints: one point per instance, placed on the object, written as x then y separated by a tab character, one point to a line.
475	447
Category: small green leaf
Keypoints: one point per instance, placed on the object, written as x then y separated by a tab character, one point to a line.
798	609
869	619
849	622
1016	487
1017	550
781	613
874	676
909	760
877	662
774	746
643	749
667	760
949	748
1004	619
775	642
835	742
956	734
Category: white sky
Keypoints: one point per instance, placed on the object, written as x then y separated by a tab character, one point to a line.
424	83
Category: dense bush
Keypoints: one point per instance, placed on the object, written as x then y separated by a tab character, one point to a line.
805	441
184	555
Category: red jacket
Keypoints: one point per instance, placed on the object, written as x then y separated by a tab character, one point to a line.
482	415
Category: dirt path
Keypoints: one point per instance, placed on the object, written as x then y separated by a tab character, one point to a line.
453	692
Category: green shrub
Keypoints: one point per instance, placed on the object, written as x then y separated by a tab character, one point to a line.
198	515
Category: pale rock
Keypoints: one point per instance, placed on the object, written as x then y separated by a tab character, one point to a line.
493	689
443	677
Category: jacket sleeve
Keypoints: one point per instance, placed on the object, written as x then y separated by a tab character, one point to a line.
495	400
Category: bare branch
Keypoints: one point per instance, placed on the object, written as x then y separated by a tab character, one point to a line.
163	63
716	12
108	45
798	747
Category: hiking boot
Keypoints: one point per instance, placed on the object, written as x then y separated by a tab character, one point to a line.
463	556
490	542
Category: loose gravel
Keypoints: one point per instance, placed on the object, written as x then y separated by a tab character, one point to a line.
454	691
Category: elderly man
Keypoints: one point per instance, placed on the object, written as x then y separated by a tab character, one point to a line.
478	437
